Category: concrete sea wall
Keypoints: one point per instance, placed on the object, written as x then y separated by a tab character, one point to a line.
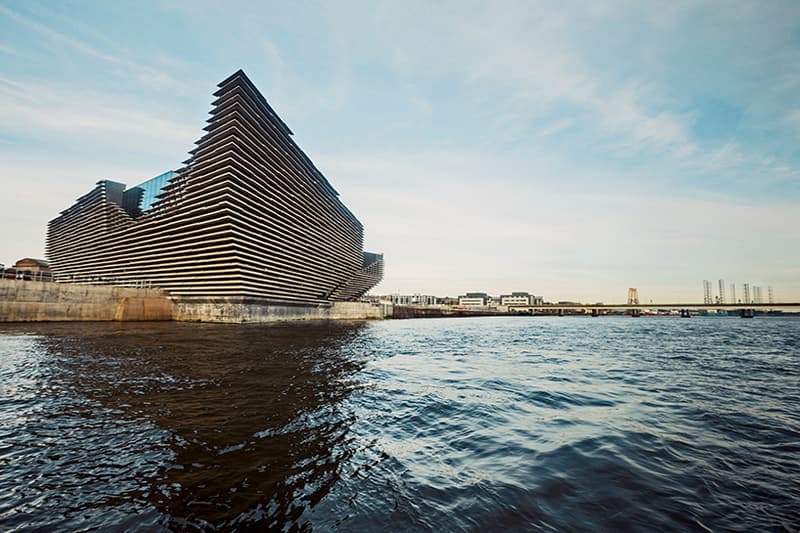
417	311
36	301
238	312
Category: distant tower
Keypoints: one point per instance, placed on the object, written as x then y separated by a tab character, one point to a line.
770	295
757	295
633	296
722	291
747	293
733	293
707	292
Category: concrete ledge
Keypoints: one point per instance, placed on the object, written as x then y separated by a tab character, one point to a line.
35	301
234	310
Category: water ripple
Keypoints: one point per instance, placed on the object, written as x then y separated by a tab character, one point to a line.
463	424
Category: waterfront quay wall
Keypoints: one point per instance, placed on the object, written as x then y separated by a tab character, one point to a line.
238	311
36	301
418	311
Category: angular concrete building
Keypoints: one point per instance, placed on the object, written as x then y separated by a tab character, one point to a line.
248	220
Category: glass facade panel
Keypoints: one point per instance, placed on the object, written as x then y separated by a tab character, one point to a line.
140	198
152	188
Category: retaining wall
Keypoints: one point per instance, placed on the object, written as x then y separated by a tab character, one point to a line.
234	311
36	301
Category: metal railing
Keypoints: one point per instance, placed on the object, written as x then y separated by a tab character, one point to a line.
24	274
86	279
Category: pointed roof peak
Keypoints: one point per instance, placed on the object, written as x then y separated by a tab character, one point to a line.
239	75
240	79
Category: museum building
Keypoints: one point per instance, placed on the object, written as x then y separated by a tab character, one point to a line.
249	218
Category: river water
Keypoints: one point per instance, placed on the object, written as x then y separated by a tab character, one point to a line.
512	423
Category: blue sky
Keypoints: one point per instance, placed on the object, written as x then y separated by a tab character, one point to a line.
570	149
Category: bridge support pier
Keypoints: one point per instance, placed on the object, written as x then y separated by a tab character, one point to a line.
636	313
748	313
595	312
685	313
560	312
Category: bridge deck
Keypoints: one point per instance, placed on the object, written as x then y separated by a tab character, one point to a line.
775	306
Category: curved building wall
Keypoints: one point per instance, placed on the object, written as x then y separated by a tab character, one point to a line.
248	216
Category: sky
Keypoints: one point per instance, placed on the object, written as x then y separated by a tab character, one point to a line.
567	149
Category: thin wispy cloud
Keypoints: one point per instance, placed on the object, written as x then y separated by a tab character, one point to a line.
556	127
57	39
530	58
526	55
793	118
38	108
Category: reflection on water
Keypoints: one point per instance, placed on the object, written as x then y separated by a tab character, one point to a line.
492	423
202	424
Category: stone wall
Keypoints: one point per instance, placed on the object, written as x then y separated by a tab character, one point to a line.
237	311
36	301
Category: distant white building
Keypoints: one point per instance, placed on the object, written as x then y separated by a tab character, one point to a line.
474	299
520	299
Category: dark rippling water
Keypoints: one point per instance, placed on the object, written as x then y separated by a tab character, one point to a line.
440	424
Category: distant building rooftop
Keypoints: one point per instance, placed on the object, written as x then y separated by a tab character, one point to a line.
30	262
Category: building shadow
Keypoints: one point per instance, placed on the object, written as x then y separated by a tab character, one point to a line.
228	426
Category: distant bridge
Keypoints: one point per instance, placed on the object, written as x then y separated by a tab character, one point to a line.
635	309
780	306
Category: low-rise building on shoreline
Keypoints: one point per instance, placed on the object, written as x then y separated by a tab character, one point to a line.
520	299
474	299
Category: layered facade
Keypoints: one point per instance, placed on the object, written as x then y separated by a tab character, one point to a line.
249	217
